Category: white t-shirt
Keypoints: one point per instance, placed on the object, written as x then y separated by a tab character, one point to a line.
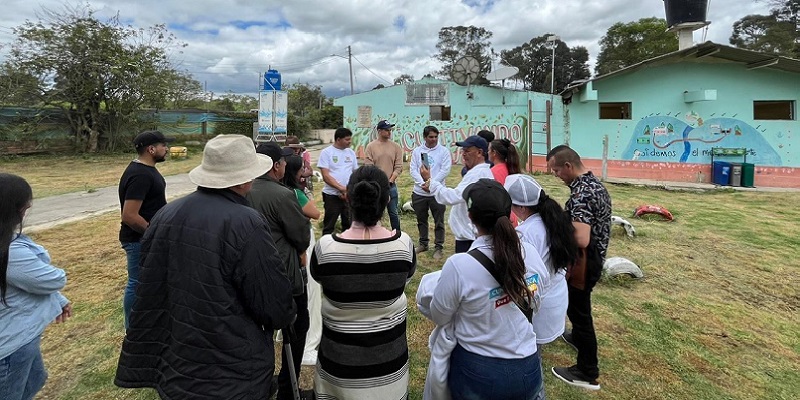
549	322
459	222
484	320
340	163
440	163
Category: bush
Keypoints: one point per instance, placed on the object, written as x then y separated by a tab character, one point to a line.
234	123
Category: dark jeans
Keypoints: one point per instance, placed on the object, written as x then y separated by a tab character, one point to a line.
132	252
334	207
462	246
391	208
477	377
421	206
579	312
298	346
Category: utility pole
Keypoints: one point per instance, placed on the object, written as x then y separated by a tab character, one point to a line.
554	40
350	61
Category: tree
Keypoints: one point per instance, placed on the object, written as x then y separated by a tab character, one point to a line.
304	98
459	41
100	73
778	32
404	78
534	60
631	43
18	87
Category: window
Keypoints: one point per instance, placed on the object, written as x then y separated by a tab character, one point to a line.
440	113
774	109
615	110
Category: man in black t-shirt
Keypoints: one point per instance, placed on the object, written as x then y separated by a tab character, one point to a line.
141	195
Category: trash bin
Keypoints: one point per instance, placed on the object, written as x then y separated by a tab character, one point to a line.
748	174
736	174
721	173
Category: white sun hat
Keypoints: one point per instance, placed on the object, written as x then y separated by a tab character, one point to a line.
229	160
523	189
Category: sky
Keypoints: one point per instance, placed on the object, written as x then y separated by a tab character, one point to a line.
231	43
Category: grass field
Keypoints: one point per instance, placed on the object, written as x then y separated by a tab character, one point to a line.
52	175
716	316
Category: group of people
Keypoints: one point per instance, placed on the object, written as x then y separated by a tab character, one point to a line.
214	274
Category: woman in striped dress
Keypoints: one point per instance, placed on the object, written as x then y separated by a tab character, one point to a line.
363	273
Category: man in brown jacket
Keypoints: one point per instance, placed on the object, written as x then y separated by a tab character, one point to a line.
388	156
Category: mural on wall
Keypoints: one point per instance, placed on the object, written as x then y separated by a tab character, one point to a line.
408	131
667	138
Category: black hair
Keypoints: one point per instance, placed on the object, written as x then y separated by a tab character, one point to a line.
342	132
487	135
15	196
507	251
428	129
293	164
508	153
368	194
564	154
560	232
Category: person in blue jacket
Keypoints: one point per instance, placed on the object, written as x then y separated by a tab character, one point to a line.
29	295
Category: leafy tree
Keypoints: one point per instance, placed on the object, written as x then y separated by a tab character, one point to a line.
534	60
18	87
404	78
459	41
778	32
329	117
629	43
304	98
100	73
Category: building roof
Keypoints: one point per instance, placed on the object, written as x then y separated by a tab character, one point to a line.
707	50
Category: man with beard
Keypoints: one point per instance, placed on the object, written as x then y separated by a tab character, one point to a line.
141	195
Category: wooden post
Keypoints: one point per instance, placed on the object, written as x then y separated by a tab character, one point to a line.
604	175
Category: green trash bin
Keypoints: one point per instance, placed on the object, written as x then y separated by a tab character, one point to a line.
748	174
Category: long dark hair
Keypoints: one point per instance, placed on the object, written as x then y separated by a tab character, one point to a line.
508	153
368	194
293	164
508	259
560	232
15	195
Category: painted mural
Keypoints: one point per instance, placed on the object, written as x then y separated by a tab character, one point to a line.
408	131
667	138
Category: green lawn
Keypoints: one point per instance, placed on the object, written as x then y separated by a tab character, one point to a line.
714	318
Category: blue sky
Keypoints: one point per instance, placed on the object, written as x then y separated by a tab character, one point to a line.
231	43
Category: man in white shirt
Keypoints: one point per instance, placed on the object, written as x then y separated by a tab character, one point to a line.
473	156
436	159
336	163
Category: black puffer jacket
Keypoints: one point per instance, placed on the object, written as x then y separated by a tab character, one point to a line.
211	291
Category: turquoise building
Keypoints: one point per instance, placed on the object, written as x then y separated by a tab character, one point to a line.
662	117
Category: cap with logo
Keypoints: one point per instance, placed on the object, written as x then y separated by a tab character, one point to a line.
384	125
475	141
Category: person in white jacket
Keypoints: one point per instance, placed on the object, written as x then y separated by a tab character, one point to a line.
437	159
473	156
543	223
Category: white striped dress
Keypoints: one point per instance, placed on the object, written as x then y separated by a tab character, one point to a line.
364	352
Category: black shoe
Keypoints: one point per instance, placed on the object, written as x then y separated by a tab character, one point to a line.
273	388
422	249
573	376
308	395
567	336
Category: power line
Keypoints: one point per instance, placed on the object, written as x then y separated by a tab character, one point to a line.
370	71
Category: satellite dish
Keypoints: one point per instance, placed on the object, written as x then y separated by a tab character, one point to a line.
502	73
465	70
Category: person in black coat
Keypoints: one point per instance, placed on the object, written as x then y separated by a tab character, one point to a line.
212	288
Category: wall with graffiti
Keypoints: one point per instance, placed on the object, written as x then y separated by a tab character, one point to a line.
666	131
515	115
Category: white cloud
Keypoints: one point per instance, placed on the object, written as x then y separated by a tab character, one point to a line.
232	43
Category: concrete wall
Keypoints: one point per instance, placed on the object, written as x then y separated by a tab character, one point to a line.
668	138
503	111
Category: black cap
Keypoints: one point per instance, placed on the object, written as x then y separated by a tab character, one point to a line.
475	141
487	200
384	125
274	151
148	138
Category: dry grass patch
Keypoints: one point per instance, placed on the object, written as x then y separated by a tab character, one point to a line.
53	175
714	318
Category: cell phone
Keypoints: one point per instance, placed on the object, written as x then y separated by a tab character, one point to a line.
425	161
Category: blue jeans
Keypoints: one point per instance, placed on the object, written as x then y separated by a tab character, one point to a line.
476	377
22	373
394	219
133	251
